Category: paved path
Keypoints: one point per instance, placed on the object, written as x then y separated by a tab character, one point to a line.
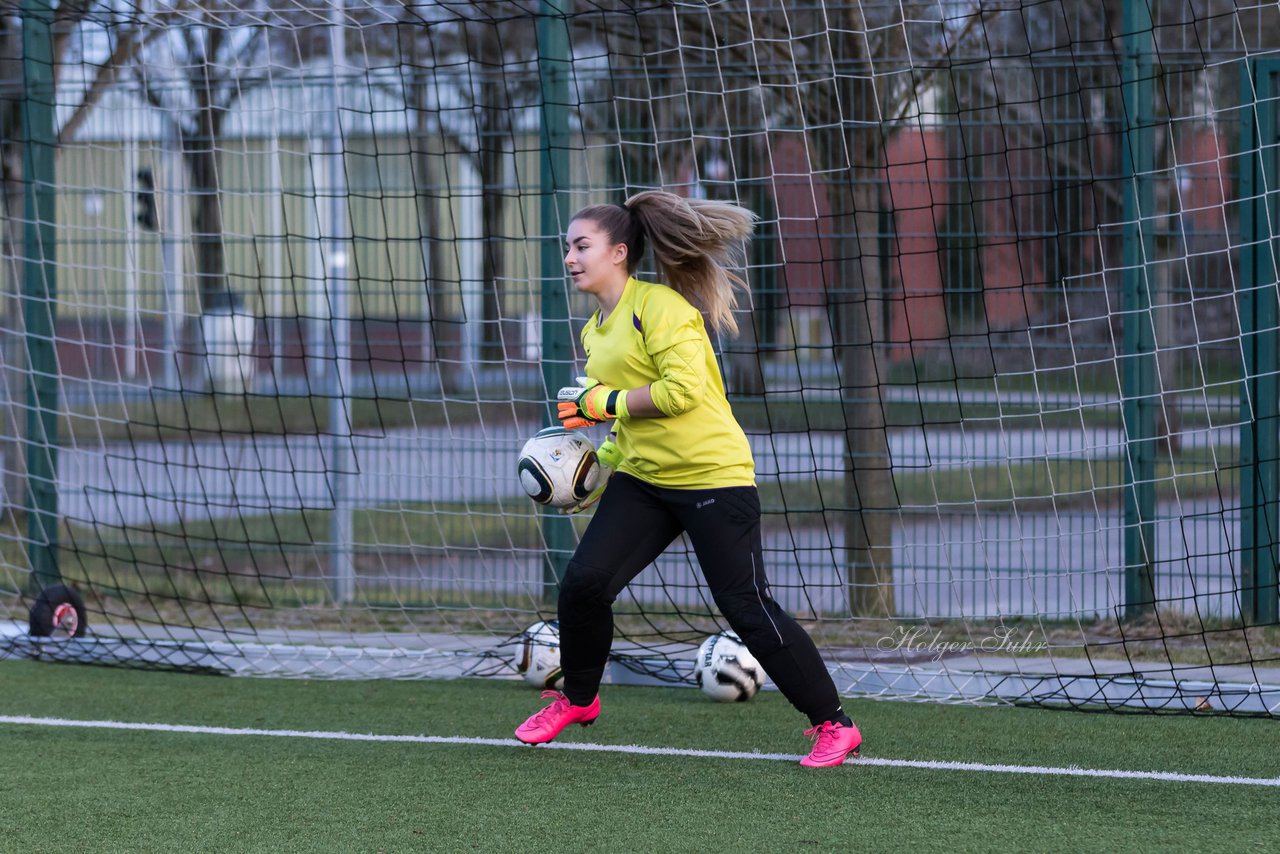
956	561
159	483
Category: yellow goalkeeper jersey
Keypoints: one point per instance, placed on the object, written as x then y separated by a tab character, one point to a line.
655	337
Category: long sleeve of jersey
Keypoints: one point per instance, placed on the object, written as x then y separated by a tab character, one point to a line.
682	382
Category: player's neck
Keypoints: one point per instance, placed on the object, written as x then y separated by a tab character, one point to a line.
610	297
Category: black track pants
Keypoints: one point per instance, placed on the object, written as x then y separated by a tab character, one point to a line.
633	524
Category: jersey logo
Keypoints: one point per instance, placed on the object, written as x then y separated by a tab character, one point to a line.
635	321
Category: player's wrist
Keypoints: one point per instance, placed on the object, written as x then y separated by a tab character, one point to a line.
617	404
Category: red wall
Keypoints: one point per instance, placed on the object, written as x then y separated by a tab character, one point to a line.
916	173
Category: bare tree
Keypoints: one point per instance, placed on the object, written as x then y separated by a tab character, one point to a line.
210	56
417	61
468	72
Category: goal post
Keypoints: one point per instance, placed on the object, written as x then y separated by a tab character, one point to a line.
1259	318
1139	382
39	295
555	347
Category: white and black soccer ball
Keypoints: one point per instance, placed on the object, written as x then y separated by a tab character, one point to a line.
726	671
538	655
559	468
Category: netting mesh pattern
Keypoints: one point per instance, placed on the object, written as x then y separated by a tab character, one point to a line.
1003	366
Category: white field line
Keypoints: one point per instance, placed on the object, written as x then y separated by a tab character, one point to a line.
633	749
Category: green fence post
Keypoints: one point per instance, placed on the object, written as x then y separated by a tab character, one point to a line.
1260	347
557	344
1138	377
39	291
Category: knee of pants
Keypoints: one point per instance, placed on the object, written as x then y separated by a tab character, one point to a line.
583	589
757	620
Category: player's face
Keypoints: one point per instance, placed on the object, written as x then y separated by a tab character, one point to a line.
595	263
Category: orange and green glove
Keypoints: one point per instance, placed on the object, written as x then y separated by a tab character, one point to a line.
589	403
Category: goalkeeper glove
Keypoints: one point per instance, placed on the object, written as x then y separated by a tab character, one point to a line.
610	457
591	499
589	403
609	454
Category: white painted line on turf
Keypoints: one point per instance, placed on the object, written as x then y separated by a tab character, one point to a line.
635	749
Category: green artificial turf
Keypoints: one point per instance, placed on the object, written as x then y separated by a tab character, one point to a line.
76	789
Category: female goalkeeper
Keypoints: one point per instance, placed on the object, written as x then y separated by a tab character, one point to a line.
682	461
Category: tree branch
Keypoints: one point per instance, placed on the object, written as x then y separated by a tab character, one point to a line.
129	43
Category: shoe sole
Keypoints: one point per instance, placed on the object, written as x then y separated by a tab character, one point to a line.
854	753
553	738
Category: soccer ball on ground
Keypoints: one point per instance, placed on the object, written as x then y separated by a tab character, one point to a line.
558	468
725	669
538	655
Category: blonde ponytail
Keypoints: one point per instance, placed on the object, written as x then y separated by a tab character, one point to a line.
697	244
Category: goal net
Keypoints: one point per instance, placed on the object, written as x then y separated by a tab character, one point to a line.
284	295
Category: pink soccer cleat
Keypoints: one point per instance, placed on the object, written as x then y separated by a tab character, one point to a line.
831	744
548	723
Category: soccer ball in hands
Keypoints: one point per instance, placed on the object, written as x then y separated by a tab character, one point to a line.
725	669
559	469
538	655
